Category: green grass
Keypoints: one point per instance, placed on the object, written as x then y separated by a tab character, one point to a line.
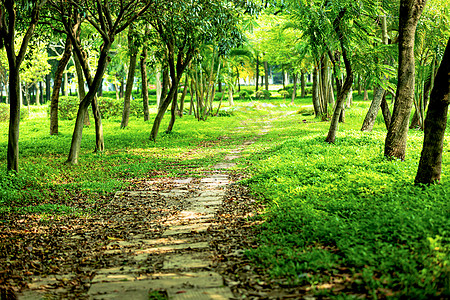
332	210
45	184
344	208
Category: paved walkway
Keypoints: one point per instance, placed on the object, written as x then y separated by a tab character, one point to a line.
182	252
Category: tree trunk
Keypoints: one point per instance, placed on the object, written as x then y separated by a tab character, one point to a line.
257	74
47	88
266	75
371	115
38	93
294	90
430	164
395	145
386	112
81	90
345	88
130	78
379	93
303	84
173	113
183	96
144	83
66	83
57	85
176	71
94	84
315	94
416	120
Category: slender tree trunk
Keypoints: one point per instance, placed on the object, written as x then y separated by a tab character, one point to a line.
173	113
430	164
81	89
315	94
257	73
386	112
38	95
144	83
57	85
303	84
66	83
379	93
371	115
94	84
130	79
183	96
395	144
342	91
176	71
266	75
294	90
47	88
359	86
416	121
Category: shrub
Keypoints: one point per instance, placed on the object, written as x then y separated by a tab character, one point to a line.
4	112
283	93
263	94
244	95
67	107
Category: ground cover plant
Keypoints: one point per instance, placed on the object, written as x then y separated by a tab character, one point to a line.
342	220
339	220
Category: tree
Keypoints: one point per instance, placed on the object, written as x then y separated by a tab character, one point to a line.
395	144
430	163
183	27
34	69
11	16
62	63
109	19
133	50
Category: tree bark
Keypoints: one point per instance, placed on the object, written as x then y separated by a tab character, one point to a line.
81	89
183	96
303	84
430	164
257	73
315	94
144	83
345	88
379	92
8	33
266	75
416	120
395	144
130	78
57	85
386	112
294	90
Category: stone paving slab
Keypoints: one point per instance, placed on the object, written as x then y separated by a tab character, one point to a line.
135	193
172	248
223	166
203	294
183	229
138	289
231	157
187	261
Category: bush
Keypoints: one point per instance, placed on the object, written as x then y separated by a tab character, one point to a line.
4	112
110	107
263	94
283	93
243	95
67	107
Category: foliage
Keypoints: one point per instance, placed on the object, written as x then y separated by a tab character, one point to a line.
4	113
263	94
244	94
344	211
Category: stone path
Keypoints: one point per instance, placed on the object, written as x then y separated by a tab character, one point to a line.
182	252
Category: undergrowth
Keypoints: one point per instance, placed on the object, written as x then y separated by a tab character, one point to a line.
345	209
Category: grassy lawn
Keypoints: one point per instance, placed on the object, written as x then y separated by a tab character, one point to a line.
340	218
